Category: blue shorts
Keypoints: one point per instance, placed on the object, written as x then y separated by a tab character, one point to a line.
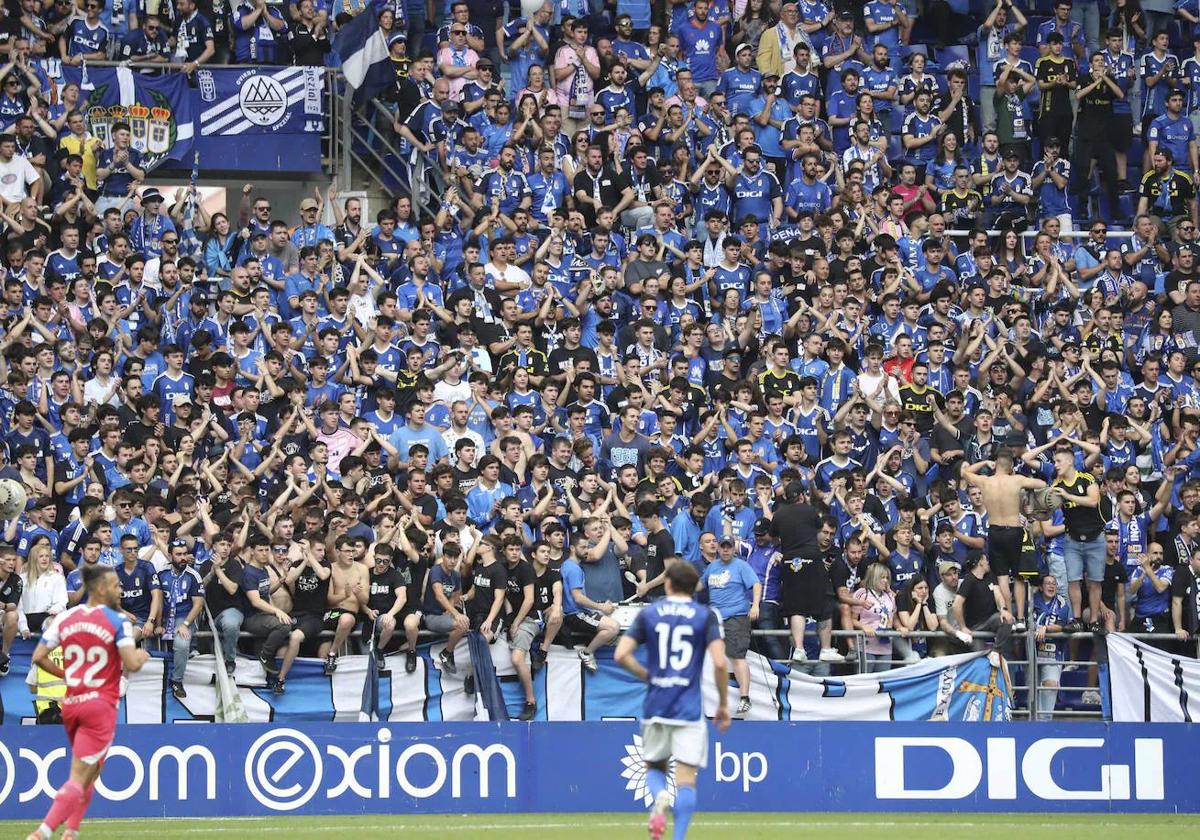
1084	558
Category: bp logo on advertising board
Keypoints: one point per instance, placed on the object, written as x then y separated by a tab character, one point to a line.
633	771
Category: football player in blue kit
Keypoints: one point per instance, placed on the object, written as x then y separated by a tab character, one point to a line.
676	631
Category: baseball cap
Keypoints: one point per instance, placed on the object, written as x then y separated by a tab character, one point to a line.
742	46
762	525
484	64
1011	153
725	541
151	194
397	36
309	204
946	565
180	399
1015	439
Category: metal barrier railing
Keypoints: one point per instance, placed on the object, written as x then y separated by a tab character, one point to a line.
1030	664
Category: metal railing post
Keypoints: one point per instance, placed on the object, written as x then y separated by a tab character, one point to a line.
1031	670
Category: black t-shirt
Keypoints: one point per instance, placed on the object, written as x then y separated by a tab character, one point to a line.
310	594
518	577
1083	523
561	478
979	598
10	589
1097	104
465	480
796	526
487	580
214	593
1114	574
660	547
561	358
412	577
842	574
427	504
1056	100
543	590
1186	585
381	592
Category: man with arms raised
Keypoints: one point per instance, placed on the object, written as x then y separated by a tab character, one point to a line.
1006	534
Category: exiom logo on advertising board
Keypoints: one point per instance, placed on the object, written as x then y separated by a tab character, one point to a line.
162	774
900	772
285	769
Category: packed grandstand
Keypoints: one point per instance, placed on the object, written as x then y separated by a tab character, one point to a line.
818	298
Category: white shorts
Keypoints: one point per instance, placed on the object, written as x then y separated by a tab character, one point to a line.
685	742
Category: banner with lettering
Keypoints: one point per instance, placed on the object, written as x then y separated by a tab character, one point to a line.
267	100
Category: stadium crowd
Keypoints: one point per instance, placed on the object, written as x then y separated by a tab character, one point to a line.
748	287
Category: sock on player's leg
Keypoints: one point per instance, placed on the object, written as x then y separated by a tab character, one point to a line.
685	806
76	817
65	802
656	781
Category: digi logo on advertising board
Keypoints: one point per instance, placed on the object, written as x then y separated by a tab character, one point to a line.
1052	769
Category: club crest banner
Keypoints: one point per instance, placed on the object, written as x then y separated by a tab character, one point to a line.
158	109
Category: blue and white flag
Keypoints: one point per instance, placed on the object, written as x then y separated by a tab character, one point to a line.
364	52
158	109
270	100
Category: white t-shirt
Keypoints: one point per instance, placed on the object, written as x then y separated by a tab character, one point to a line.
943	604
511	274
446	393
15	177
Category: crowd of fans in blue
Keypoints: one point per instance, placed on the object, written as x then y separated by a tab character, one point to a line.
771	289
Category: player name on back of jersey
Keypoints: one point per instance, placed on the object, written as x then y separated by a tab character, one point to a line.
686	610
72	628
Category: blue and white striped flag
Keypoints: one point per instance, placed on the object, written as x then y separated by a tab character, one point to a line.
364	53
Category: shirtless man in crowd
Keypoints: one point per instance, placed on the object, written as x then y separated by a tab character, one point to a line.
1006	534
348	591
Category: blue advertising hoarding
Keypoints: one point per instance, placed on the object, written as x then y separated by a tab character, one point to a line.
261	769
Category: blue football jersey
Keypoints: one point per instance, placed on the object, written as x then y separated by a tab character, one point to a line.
675	632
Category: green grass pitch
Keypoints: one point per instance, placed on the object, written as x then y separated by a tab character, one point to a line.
612	826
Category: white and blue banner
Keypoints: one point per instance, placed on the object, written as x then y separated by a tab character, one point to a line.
1150	685
250	770
266	100
958	688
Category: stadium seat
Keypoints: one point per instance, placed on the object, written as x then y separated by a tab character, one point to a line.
1178	35
1031	30
907	51
947	55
